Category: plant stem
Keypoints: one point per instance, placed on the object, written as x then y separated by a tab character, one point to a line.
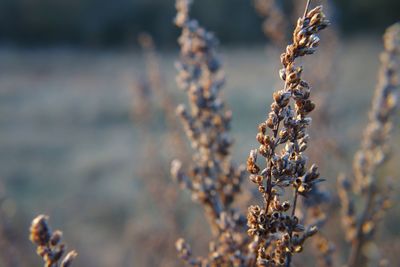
356	258
307	7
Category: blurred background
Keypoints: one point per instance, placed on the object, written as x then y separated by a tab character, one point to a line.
85	136
101	23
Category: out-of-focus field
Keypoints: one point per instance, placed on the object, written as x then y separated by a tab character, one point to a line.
69	148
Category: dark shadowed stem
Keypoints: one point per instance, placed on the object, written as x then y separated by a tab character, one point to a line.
269	185
289	256
288	260
294	202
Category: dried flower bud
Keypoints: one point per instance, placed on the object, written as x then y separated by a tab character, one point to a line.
282	74
69	258
55	238
40	231
49	247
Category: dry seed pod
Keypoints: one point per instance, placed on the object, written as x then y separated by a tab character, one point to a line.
48	243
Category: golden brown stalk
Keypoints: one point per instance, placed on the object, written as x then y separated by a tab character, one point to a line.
276	226
48	244
372	154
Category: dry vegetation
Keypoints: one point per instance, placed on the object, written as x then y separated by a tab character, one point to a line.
276	229
49	245
283	220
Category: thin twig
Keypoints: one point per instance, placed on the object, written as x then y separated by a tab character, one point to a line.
307	7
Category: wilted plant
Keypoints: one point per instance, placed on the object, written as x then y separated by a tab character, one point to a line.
151	97
213	179
275	226
321	75
275	233
49	245
274	25
360	225
291	212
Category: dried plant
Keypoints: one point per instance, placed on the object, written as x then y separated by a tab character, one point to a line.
151	97
150	93
48	244
213	179
314	209
322	76
291	211
360	225
275	226
274	233
142	89
152	64
275	24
